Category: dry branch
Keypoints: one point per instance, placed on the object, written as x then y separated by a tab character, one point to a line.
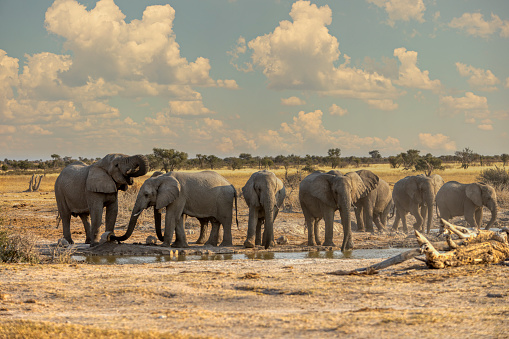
34	183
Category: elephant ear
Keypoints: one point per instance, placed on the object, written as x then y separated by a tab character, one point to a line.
249	193
363	182
412	189
167	191
98	180
473	192
280	193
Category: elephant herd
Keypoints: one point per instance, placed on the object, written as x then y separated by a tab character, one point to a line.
85	190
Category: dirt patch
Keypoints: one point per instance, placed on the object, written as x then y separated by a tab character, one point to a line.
247	298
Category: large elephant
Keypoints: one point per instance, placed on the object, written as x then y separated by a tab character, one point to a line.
416	194
84	191
264	194
321	194
204	195
374	207
455	199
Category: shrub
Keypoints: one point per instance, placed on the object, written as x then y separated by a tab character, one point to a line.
496	177
17	248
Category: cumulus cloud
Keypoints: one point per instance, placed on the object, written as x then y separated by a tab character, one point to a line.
292	101
480	79
307	41
473	106
401	10
437	142
486	125
336	110
475	25
410	75
384	104
188	108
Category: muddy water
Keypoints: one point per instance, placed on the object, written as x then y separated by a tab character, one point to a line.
357	254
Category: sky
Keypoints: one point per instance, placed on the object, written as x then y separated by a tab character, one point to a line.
265	77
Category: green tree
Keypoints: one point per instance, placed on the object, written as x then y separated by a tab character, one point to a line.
505	158
169	159
428	164
212	160
395	161
333	156
466	157
375	154
410	158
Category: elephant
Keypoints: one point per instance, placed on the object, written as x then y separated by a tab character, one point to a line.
84	191
416	194
205	195
264	194
455	199
321	194
375	207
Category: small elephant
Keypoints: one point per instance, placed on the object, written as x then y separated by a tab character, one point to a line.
375	207
416	194
204	195
264	194
84	191
455	199
321	194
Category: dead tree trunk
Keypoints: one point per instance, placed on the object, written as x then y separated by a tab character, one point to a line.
34	183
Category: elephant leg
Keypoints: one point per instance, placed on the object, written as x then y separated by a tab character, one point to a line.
214	234
258	238
402	216
252	226
316	226
227	232
204	229
368	219
397	218
180	235
378	222
470	211
95	221
414	210
169	227
86	223
478	217
360	220
329	229
66	225
309	221
111	216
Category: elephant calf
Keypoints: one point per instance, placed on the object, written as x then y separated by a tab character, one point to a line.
375	207
455	199
264	194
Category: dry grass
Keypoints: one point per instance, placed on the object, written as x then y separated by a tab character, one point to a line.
30	329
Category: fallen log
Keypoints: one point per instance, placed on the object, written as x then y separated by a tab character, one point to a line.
475	247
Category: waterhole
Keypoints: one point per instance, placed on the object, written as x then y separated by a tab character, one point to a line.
148	259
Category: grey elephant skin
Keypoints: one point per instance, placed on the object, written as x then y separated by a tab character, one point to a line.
321	194
416	195
264	194
375	207
84	191
455	199
205	195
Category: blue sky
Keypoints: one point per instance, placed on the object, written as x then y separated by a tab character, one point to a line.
87	78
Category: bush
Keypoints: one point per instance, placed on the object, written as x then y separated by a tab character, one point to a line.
496	177
17	248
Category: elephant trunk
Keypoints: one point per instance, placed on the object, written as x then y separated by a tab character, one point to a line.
138	166
344	211
492	205
268	201
430	201
157	223
130	227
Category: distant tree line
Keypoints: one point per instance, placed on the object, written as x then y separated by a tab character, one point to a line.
170	159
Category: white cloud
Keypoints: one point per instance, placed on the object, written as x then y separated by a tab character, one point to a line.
384	104
282	53
485	127
481	79
336	110
437	142
292	101
401	10
410	75
471	105
6	129
188	108
475	25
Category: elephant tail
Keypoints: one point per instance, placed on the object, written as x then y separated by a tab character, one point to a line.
236	207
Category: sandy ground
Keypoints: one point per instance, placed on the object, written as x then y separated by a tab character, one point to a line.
250	298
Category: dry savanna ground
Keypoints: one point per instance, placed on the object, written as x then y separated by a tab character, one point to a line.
241	298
